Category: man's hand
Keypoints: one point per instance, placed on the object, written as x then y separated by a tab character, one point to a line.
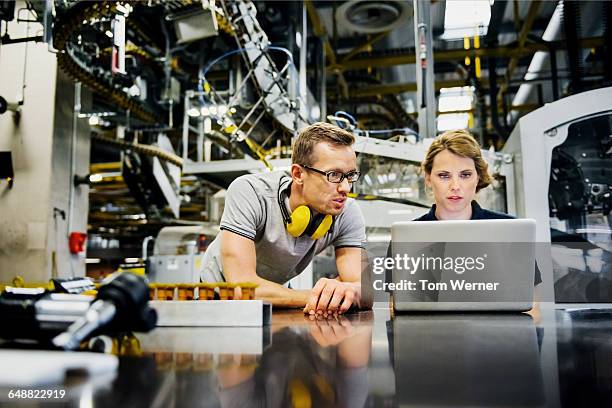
330	296
330	331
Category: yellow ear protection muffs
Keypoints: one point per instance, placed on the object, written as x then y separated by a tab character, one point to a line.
303	221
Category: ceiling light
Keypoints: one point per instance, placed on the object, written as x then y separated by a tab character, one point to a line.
455	99
466	18
452	121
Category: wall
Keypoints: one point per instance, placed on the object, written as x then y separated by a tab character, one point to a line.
32	240
24	208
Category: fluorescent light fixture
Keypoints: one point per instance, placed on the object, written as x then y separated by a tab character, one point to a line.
132	260
451	100
454	99
93	260
466	18
452	121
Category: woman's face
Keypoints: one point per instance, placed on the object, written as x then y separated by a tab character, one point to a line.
453	180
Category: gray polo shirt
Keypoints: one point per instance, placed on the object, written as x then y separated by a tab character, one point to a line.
252	210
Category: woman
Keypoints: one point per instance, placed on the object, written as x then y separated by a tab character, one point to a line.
455	171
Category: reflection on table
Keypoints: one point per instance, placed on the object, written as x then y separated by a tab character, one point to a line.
366	359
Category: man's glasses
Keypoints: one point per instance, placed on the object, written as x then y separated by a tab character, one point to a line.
335	176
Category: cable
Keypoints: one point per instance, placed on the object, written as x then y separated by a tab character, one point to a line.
342	123
241	50
405	130
347	121
147	150
233	52
347	115
205	70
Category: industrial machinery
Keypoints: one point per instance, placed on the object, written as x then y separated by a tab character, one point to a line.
567	146
178	253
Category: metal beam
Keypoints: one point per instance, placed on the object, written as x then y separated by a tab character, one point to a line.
528	107
425	77
409	57
364	46
104	167
397	88
234	165
321	32
532	13
385	148
374	90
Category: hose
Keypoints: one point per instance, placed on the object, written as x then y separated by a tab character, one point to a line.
147	150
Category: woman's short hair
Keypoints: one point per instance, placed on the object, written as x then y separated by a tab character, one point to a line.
314	134
461	143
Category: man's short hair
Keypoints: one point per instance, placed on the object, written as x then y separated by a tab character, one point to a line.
319	132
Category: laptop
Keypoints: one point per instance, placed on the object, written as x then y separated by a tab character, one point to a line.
463	266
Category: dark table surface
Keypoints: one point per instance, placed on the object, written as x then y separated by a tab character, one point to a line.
559	358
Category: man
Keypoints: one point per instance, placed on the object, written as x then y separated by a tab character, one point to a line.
256	242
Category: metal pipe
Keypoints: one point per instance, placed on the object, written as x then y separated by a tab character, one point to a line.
554	74
493	91
572	26
323	98
552	33
608	40
145	244
303	93
73	149
185	126
426	99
